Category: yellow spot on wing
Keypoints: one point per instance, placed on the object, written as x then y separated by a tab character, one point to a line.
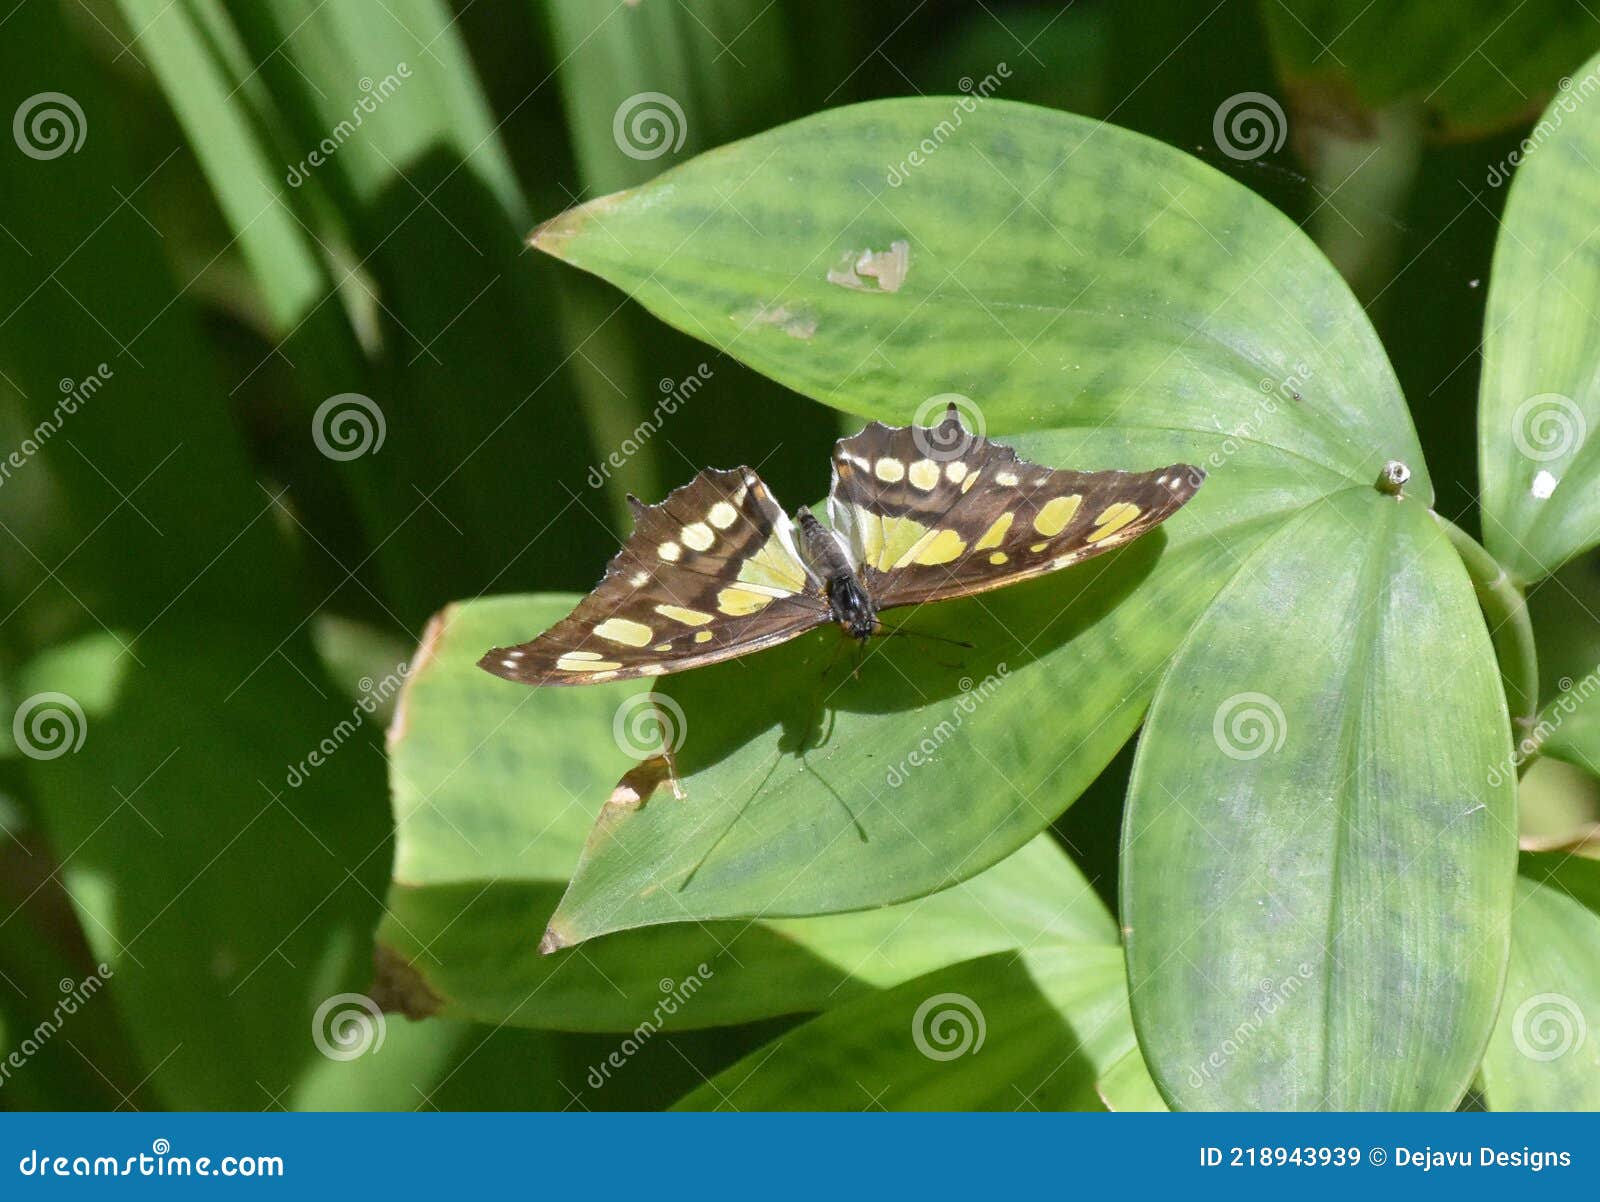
703	637
1055	513
998	558
967	484
1007	478
723	515
995	534
737	602
955	472
689	617
942	548
1113	518
699	536
869	526
924	474
575	661
773	567
889	470
624	631
670	552
901	538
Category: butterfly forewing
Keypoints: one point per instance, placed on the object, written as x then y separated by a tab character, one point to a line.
932	512
710	573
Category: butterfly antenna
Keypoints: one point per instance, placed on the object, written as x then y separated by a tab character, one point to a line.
902	632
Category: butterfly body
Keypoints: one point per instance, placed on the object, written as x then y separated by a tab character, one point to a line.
916	514
827	558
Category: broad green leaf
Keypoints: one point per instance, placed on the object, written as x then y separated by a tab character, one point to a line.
1540	400
1128	334
1318	849
1545	1052
1063	273
1028	1030
494	789
928	763
1478	65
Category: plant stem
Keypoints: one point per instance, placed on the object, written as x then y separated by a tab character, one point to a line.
1506	611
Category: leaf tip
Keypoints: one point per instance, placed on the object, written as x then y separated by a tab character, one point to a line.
552	940
552	235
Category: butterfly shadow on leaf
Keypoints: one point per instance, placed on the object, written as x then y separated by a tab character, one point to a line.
823	708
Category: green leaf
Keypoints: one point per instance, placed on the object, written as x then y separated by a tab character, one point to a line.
932	765
1029	1030
1132	334
1127	1086
1540	394
1474	65
1545	1052
494	787
1187	304
1318	847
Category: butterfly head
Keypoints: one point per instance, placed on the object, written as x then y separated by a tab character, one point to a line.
852	607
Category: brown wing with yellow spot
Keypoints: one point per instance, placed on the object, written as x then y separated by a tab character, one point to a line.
932	512
710	573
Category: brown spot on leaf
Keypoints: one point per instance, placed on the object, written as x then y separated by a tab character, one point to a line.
886	269
397	986
427	652
553	235
794	324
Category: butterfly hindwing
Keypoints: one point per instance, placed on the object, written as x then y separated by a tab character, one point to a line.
710	573
932	512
